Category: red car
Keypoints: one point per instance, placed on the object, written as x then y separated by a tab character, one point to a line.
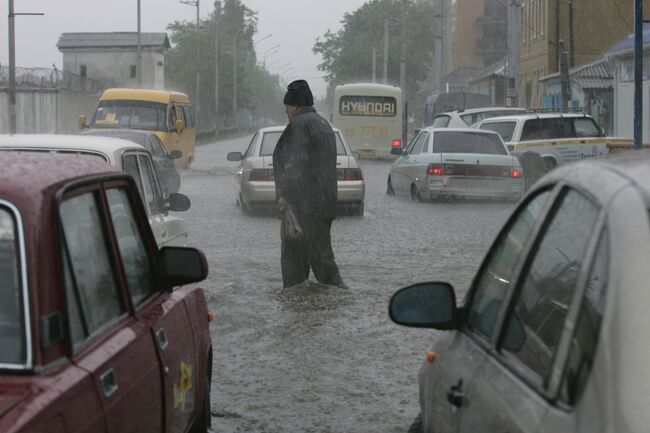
95	333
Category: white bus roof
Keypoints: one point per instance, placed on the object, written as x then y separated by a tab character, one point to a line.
372	88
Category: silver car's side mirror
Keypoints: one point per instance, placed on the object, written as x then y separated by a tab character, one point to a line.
178	202
235	156
425	305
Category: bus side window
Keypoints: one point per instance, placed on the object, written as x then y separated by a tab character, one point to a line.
172	118
189	122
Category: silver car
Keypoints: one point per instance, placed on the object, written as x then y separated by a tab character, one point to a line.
255	174
466	163
550	336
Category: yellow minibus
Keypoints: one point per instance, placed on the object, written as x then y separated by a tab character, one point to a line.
168	114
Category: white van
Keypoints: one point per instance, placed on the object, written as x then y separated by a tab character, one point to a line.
558	137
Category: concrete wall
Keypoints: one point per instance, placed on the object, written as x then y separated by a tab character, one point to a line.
114	65
624	97
53	111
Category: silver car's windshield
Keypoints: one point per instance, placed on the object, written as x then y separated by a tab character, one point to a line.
467	142
270	140
13	347
505	129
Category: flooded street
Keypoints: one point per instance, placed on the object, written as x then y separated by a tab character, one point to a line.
315	358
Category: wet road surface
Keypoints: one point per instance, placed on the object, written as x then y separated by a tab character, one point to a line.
315	358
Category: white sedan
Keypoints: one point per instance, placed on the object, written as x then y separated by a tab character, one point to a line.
257	185
465	163
168	228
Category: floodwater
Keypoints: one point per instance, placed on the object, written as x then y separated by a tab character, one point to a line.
316	358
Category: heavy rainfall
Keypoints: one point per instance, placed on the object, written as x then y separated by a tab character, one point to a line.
431	120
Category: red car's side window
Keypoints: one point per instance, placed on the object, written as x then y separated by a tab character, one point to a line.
92	287
133	250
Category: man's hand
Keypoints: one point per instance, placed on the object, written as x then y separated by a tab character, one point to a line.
282	204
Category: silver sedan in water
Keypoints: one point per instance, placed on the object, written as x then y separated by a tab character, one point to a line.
255	174
456	163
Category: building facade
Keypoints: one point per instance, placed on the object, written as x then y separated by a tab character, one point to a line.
113	57
586	28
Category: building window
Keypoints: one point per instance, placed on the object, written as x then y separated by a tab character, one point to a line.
542	17
83	71
533	11
525	18
132	71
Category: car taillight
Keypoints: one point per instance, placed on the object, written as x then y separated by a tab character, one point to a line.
435	170
516	173
352	174
396	143
261	175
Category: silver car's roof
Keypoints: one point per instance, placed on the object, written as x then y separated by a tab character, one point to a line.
281	128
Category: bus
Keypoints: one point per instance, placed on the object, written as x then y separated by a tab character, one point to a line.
370	116
168	114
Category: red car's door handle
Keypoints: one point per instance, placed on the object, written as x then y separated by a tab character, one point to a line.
109	383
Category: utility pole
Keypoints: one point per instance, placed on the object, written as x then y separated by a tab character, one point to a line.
12	70
216	64
438	61
515	29
385	80
374	65
234	79
12	65
558	50
572	62
402	70
564	75
638	73
402	53
139	71
195	3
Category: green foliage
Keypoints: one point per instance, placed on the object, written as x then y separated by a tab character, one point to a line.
347	54
193	50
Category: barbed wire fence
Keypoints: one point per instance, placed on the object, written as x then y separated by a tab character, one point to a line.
52	78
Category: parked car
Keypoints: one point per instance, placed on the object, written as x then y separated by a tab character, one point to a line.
255	174
170	180
168	228
95	333
466	118
557	137
442	163
548	336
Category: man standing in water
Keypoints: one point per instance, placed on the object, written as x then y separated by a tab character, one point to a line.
304	166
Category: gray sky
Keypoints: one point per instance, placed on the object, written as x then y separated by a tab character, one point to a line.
294	24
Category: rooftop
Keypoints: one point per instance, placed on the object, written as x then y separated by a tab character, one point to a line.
112	40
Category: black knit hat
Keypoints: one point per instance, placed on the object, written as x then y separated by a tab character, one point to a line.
298	94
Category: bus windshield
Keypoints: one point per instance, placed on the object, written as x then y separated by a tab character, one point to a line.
151	116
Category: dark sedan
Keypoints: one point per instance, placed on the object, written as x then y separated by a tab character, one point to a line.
170	180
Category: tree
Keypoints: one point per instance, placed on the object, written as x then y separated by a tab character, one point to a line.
238	76
347	54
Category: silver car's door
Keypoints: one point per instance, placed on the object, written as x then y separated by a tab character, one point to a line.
400	168
513	390
444	383
417	165
168	229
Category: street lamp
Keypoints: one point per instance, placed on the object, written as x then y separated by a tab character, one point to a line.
260	40
272	50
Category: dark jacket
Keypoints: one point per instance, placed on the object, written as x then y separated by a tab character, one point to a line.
304	165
